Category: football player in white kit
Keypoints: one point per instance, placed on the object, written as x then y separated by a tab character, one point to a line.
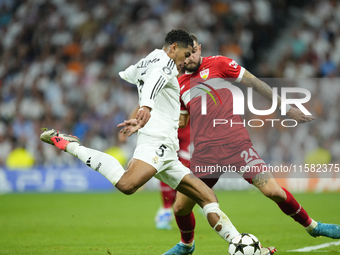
157	143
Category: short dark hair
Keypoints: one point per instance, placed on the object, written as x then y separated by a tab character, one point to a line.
179	36
193	37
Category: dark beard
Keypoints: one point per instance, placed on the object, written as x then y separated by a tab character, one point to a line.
193	69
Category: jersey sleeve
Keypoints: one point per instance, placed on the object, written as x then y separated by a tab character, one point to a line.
184	109
229	68
184	95
159	76
129	74
185	101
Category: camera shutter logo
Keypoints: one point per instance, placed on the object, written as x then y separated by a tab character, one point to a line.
204	97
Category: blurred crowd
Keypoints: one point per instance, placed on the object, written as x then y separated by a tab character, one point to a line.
59	61
314	50
311	60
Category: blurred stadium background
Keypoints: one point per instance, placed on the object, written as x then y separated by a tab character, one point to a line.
59	61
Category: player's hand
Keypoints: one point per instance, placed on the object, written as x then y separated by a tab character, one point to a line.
130	126
143	115
122	137
133	125
299	116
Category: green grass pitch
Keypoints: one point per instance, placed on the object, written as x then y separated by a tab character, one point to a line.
113	223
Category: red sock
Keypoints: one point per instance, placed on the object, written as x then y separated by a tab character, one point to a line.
186	225
168	195
293	209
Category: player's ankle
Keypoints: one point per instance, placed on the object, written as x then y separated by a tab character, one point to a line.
311	226
188	244
71	148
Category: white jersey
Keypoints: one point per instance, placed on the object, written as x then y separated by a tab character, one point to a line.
158	88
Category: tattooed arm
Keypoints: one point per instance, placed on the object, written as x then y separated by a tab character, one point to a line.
266	91
259	86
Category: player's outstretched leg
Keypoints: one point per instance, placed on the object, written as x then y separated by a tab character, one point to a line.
97	160
266	183
186	223
139	172
205	197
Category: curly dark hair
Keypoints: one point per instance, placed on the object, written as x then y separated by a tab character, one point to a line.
179	36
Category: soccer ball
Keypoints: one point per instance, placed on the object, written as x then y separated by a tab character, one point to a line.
245	244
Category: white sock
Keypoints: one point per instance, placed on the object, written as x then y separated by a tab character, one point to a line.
71	147
228	231
187	244
99	161
311	226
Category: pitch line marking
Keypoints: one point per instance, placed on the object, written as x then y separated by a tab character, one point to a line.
316	247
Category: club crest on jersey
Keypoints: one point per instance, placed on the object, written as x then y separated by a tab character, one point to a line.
166	70
204	74
155	160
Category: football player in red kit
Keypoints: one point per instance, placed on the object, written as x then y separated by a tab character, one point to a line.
228	146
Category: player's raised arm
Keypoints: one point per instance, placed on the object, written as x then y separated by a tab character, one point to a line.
261	87
249	80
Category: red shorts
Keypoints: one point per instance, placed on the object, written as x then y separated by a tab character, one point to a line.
210	163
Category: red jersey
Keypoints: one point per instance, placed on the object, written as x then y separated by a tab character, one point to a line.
203	133
184	144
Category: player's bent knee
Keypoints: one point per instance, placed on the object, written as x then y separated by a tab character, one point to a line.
128	191
181	209
126	188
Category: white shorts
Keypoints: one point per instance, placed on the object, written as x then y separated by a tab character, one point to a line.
161	155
